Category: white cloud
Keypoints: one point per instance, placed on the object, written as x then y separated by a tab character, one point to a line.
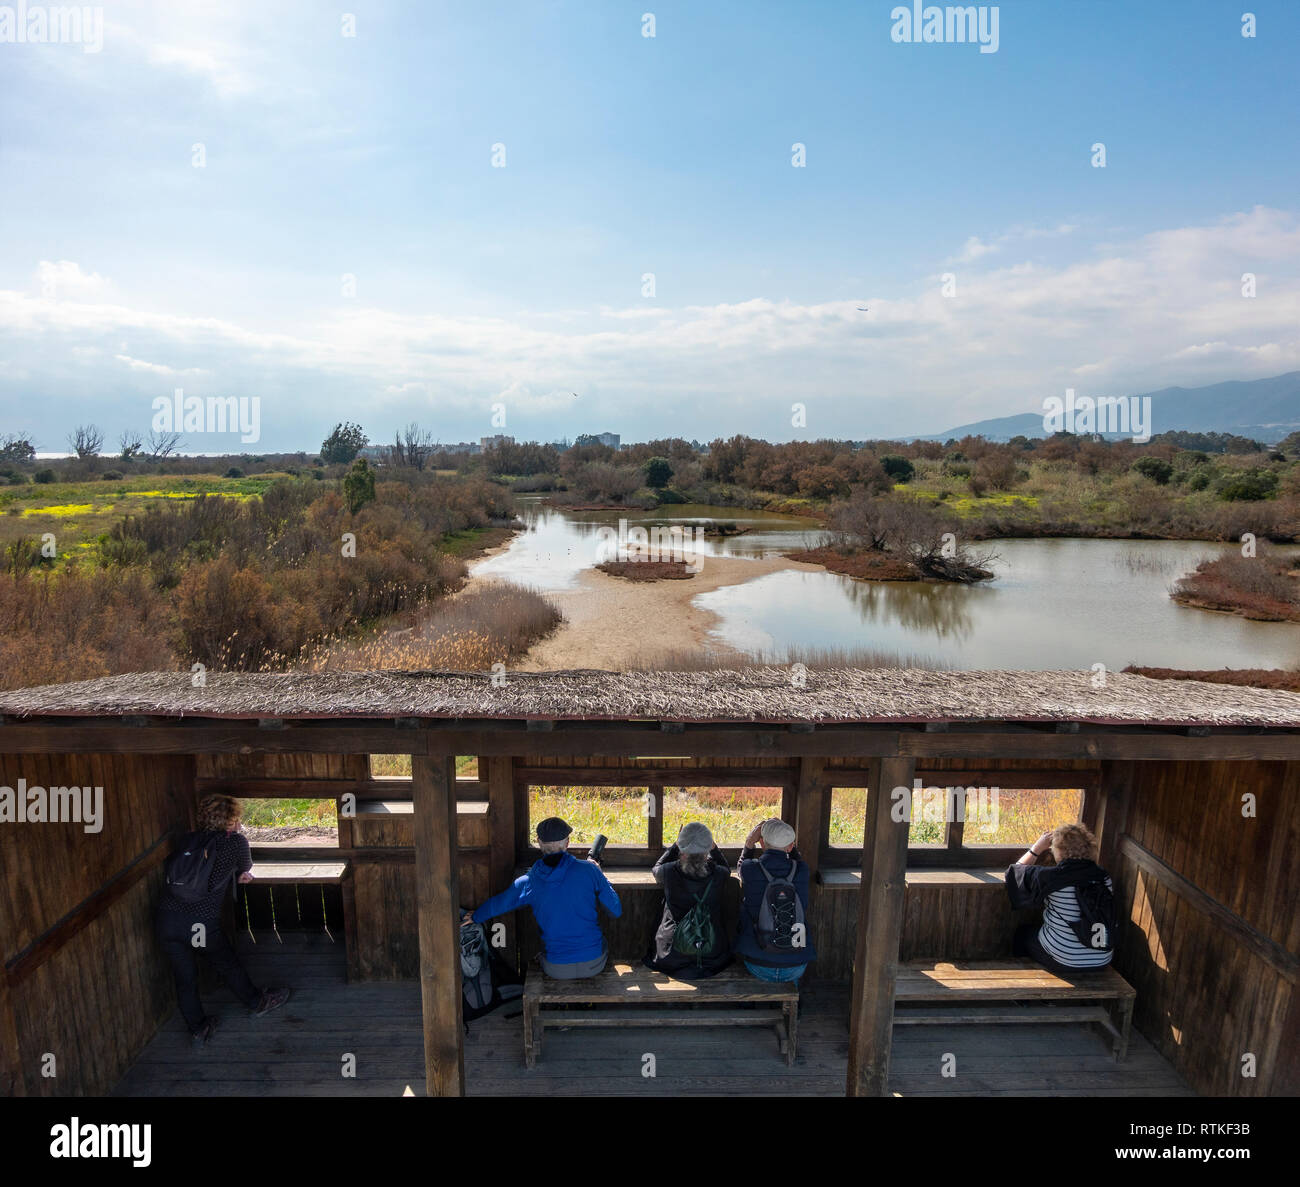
62	280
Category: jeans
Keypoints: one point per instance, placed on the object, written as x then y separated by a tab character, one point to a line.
767	973
174	933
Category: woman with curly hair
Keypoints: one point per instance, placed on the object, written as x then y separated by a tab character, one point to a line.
1075	894
189	919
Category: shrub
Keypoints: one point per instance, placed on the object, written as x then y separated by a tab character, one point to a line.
44	477
111	475
898	468
234	472
1158	470
1248	486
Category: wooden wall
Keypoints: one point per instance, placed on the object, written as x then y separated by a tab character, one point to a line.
1213	937
84	979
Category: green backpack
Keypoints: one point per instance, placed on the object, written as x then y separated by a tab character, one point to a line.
695	934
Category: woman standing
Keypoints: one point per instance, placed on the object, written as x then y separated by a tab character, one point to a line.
189	918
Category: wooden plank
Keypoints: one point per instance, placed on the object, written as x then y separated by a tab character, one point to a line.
22	964
278	872
880	926
624	983
1285	963
978	980
438	898
811	806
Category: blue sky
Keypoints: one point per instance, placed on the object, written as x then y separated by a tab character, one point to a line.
127	272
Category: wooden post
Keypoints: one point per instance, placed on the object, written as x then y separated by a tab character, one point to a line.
1110	816
880	927
12	1081
433	786
810	807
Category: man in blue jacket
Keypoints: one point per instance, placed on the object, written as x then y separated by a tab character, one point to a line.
784	953
563	892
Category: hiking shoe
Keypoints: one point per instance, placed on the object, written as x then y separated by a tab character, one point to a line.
272	999
205	1032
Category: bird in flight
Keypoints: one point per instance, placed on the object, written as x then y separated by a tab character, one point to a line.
862	309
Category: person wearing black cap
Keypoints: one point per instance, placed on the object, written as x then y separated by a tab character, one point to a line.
562	892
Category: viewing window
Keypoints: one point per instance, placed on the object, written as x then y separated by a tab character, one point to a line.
398	766
290	823
1021	815
730	813
620	813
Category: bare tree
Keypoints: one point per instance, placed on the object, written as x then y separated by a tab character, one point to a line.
130	443
906	527
86	441
162	445
413	447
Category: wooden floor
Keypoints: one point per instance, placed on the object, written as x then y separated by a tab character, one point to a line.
299	1049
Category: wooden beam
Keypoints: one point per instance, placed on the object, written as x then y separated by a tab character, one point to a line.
1106	813
437	894
610	739
12	1081
880	927
811	800
1285	964
22	964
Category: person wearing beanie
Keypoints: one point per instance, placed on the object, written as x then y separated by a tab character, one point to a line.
770	856
691	941
562	892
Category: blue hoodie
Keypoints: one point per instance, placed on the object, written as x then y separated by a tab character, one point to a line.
563	898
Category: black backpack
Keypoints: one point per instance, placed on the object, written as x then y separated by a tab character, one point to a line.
485	980
189	870
1095	927
780	912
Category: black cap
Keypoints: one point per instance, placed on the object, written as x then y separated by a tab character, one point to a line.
553	829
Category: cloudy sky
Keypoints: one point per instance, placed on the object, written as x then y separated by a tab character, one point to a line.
238	199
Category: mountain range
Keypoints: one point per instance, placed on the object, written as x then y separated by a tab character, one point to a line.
1264	409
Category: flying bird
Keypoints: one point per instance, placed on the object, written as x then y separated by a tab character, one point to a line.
862	309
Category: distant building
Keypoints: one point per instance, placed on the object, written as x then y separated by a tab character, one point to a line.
374	453
610	439
498	439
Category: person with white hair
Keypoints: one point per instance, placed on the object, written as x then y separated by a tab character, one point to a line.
563	893
691	940
773	938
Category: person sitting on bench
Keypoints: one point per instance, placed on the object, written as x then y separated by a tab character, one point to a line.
562	892
773	938
691	942
1075	895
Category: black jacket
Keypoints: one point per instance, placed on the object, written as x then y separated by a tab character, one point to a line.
680	893
1029	886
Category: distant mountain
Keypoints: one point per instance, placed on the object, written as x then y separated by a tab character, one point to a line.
1265	409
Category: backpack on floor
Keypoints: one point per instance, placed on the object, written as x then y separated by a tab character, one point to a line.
695	935
485	980
189	870
780	911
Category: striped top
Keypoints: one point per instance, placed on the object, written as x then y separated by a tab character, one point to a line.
1060	909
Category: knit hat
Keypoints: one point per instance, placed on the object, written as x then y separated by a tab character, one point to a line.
695	838
777	834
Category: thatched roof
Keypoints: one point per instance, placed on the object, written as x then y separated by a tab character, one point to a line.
846	695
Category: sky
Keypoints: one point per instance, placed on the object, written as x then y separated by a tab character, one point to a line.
532	218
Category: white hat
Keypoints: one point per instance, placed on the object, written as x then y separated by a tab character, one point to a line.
777	834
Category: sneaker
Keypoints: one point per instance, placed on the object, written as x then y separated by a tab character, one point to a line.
272	999
205	1032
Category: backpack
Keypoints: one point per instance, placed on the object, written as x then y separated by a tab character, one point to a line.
1096	910
695	934
780	912
189	870
485	981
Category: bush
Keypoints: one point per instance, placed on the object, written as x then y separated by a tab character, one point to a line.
234	472
45	477
1248	486
111	475
898	468
1158	470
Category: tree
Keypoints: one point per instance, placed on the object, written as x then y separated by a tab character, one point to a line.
359	485
343	444
161	445
14	448
412	447
658	473
86	441
1159	471
898	468
130	443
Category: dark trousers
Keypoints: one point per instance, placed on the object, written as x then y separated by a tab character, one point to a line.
1025	943
175	934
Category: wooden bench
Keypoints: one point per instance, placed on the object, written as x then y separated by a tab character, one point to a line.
986	983
640	991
